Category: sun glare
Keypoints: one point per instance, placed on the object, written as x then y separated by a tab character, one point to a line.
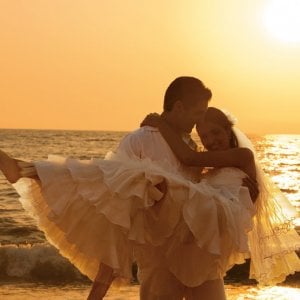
282	20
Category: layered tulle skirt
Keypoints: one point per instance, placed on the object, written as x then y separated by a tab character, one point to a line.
114	212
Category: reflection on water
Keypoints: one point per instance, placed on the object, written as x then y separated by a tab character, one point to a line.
270	293
279	156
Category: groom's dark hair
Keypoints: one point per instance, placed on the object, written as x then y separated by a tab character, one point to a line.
183	86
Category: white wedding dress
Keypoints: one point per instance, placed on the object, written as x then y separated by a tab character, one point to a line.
104	211
273	240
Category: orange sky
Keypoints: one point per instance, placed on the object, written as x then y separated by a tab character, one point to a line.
78	64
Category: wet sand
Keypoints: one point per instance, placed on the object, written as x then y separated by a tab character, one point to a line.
80	292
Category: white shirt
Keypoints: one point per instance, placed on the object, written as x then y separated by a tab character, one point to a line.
147	142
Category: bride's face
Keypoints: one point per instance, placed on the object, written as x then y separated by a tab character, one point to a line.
213	136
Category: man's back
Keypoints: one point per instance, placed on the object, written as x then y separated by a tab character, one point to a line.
147	142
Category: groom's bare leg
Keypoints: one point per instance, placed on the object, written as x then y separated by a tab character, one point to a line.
9	167
102	282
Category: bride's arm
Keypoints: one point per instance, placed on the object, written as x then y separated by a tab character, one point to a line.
236	157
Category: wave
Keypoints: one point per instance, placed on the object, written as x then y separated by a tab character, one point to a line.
36	263
6	210
21	230
289	191
6	221
109	139
93	140
8	192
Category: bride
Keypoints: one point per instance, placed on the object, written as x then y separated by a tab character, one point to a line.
272	240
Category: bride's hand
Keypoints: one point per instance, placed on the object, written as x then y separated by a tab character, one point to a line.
152	119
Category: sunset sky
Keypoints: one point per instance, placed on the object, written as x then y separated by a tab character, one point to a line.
103	65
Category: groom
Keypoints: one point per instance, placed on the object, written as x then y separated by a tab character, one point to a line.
185	103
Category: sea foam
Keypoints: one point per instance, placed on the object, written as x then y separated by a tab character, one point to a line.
38	262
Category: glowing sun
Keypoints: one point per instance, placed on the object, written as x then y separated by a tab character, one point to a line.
282	19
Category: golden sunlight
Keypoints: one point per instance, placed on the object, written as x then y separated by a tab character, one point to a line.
282	20
271	293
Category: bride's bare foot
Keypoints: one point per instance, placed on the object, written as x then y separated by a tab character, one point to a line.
9	167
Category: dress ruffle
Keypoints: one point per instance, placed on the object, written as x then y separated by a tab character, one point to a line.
104	211
273	241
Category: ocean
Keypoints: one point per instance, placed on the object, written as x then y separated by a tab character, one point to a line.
29	264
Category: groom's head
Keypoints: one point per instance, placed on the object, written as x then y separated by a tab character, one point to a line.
185	102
